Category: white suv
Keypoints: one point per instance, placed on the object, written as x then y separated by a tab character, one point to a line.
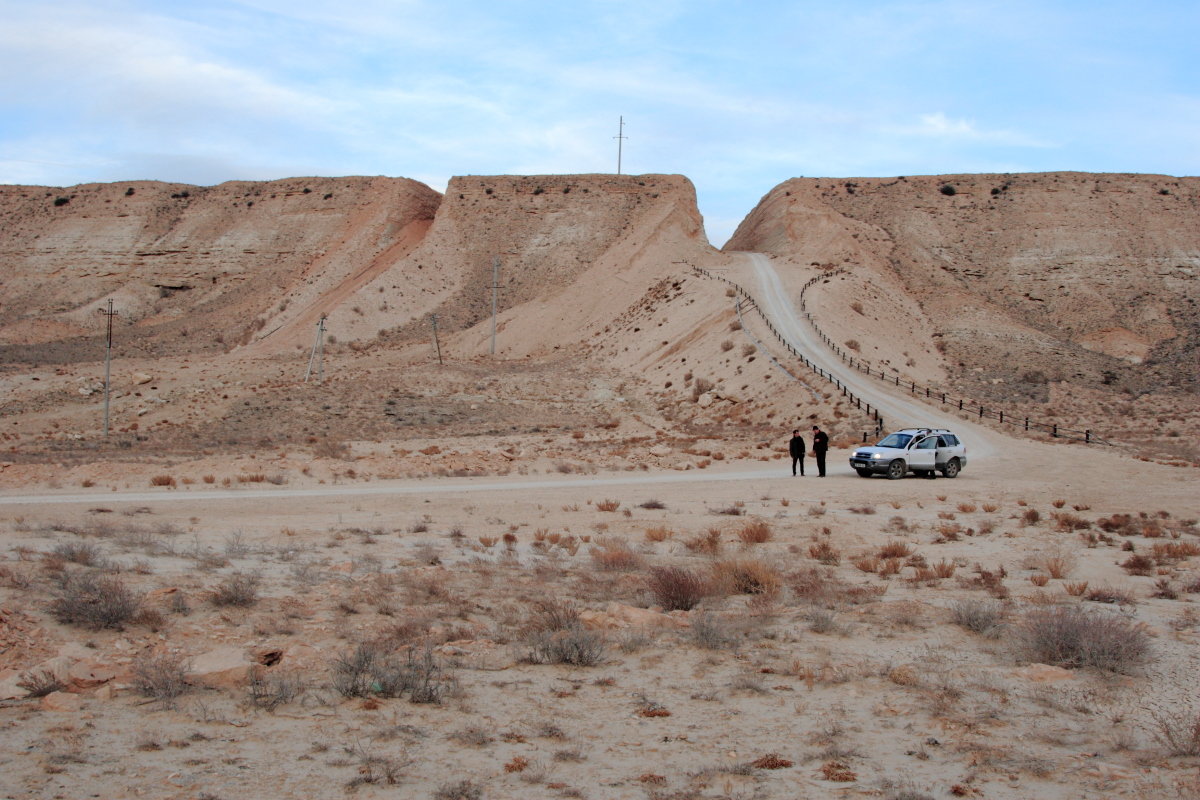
923	451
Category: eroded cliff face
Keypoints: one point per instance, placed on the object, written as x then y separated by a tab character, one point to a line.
255	265
569	246
1022	279
191	269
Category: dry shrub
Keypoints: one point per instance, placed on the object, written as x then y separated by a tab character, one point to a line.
83	553
708	543
944	569
41	683
1138	564
1040	579
614	554
755	532
991	508
771	761
985	617
991	581
93	601
838	772
712	633
866	510
1174	552
462	790
895	549
608	505
1065	522
825	553
659	533
817	511
1178	733
653	504
890	566
676	588
948	532
867	563
1165	590
1075	589
163	480
966	508
239	589
1058	563
376	668
816	586
253	477
1072	637
1030	516
1111	594
161	676
745	576
269	690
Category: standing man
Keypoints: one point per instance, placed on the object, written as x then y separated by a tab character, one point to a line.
820	445
796	448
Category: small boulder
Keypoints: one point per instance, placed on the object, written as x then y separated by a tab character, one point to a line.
223	668
62	702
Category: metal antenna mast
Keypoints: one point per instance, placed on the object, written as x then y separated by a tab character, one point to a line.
107	359
620	137
318	352
495	288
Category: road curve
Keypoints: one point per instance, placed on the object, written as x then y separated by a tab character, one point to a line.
898	409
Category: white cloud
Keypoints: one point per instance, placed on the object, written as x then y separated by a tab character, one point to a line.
940	126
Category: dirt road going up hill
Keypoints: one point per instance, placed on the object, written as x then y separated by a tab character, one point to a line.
898	410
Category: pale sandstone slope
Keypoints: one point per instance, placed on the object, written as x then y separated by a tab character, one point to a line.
191	269
1023	279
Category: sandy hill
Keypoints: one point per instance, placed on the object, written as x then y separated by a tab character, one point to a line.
191	269
1032	288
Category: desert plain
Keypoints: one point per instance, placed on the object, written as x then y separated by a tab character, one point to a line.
569	558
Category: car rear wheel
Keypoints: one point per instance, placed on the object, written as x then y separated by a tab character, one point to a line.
896	469
951	468
863	473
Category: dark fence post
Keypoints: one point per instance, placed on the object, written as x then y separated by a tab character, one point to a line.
1054	430
1087	436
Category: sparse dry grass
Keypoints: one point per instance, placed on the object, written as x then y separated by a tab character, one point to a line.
755	532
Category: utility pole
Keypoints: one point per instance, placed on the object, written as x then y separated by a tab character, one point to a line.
620	137
495	289
318	353
107	360
435	338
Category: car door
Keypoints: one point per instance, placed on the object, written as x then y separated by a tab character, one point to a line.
944	451
923	454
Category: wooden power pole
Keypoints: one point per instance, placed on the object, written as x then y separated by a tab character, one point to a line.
108	360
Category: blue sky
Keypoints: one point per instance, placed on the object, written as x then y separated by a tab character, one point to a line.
738	96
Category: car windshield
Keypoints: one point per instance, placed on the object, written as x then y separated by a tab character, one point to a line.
896	440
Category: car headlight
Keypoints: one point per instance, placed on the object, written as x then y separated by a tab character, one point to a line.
877	455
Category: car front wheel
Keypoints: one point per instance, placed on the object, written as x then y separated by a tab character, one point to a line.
896	469
951	468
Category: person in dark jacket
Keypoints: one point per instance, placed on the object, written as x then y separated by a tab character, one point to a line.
820	445
796	448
